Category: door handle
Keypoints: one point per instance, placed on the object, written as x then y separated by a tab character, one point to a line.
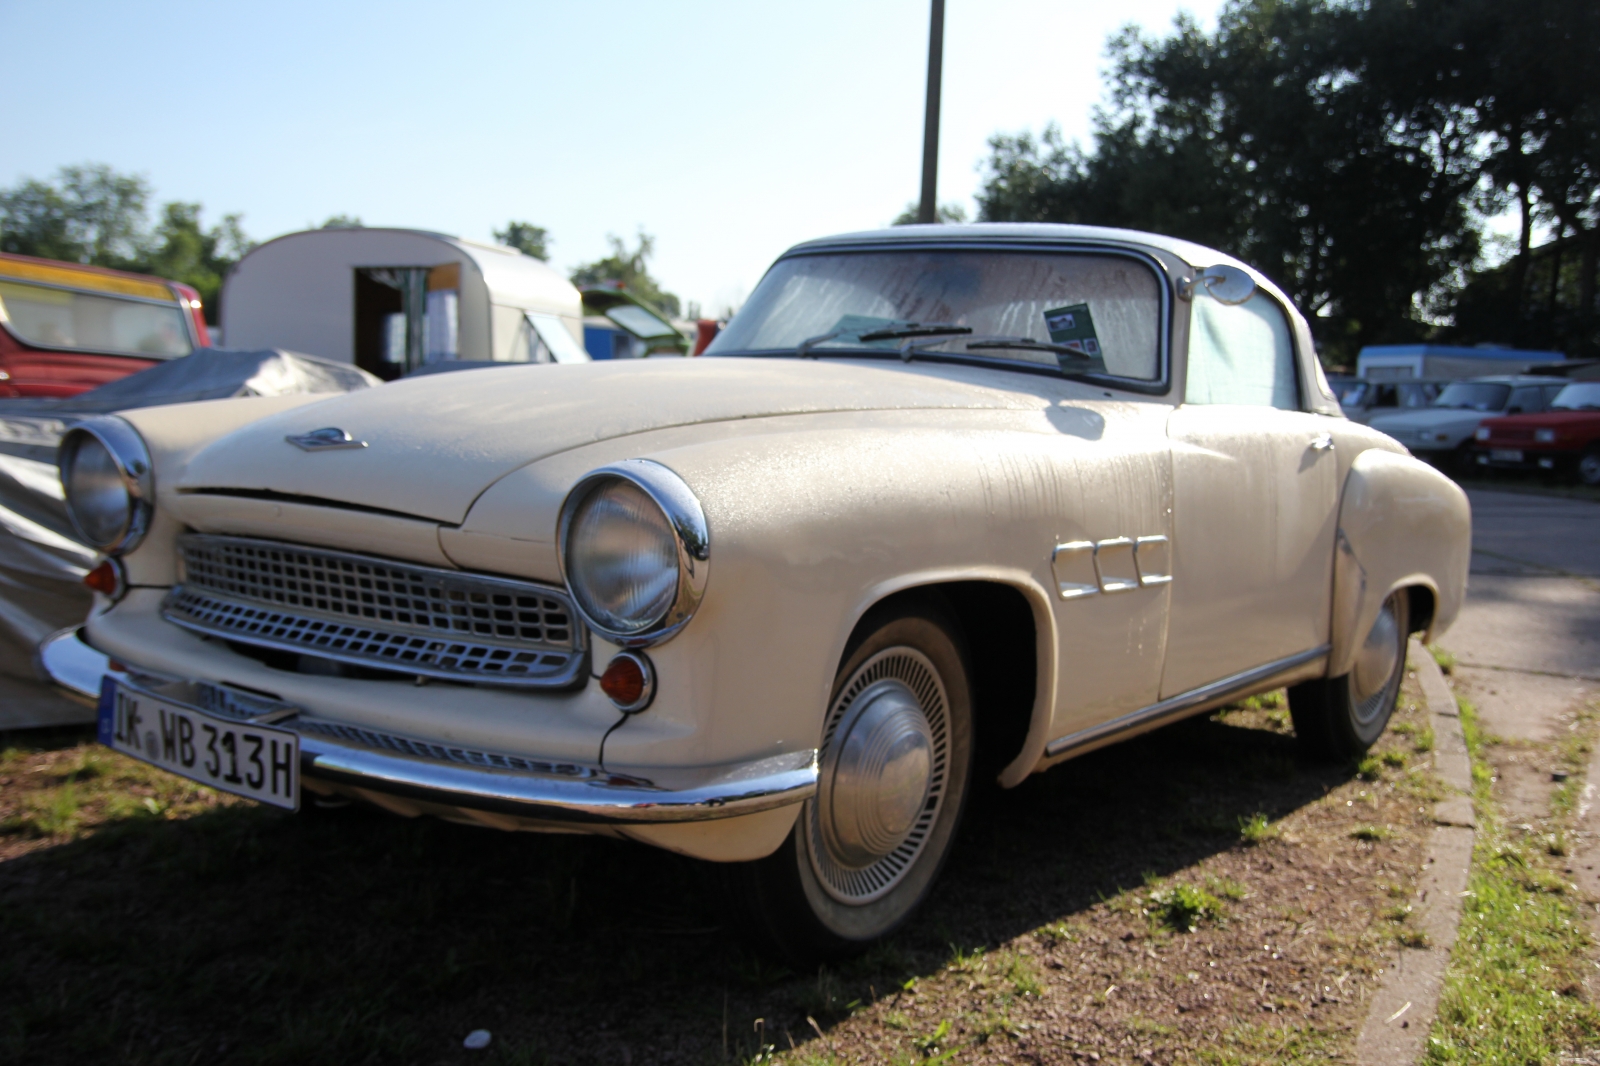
1322	443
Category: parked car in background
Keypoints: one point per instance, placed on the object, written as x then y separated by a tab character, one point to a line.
1564	439
941	504
66	328
1361	400
1442	431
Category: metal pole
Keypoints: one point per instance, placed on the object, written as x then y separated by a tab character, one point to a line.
927	210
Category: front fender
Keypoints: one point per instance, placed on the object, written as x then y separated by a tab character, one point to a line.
1401	524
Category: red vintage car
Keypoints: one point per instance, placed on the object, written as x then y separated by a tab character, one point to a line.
66	328
1565	438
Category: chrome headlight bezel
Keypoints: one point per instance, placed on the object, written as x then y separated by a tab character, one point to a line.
681	509
132	461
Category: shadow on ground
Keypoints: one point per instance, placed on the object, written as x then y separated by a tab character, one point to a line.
247	935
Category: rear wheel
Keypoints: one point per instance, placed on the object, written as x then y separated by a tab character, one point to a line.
896	758
1341	717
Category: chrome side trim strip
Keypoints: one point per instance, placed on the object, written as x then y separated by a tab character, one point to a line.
1176	706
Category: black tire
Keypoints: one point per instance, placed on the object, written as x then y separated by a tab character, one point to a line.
808	902
1588	468
1338	718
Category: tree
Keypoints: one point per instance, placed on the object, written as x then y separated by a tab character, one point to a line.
342	221
628	270
184	251
526	238
1265	139
91	214
947	213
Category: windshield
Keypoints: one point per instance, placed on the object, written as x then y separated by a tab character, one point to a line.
1579	396
59	318
1349	392
1473	396
1074	312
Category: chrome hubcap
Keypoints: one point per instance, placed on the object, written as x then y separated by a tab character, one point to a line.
881	763
1376	664
884	761
1589	469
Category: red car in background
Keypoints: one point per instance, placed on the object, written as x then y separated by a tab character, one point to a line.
1563	438
67	328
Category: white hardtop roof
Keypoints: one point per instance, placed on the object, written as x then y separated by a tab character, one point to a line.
1197	255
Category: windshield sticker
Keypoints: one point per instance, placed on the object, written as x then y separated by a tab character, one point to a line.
1072	327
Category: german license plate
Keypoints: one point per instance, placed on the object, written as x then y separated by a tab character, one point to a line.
1506	455
258	762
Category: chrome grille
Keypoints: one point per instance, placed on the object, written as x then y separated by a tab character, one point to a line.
374	612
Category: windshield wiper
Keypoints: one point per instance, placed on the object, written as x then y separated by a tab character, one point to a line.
912	329
1025	344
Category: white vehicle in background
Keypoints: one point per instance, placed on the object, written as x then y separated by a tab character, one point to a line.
1442	431
942	504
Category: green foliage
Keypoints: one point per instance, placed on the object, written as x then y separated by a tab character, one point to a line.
1182	907
1371	833
1350	151
946	213
1257	829
92	214
630	271
526	238
342	222
1446	661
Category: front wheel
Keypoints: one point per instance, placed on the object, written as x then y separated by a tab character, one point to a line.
1589	468
896	762
1341	717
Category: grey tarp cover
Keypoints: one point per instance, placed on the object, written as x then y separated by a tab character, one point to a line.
41	561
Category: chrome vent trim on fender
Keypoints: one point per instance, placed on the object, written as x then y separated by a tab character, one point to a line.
383	614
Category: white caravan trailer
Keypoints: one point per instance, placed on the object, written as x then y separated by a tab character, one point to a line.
392	300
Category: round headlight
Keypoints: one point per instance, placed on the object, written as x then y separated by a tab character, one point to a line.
105	473
633	549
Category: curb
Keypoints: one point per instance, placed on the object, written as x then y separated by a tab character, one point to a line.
1401	1012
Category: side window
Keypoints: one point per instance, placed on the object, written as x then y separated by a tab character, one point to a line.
1388	396
1524	400
1550	392
1241	354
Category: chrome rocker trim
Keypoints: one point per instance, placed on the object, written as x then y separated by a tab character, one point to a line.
1183	703
569	794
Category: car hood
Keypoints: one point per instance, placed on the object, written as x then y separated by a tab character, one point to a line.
434	443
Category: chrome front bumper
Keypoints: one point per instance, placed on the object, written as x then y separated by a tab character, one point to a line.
345	760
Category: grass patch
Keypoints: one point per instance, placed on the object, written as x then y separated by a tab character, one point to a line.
1257	829
1514	992
1371	833
1182	907
1446	661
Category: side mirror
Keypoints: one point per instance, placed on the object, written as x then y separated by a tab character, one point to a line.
1225	284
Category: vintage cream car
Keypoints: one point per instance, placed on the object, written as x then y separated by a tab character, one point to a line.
943	505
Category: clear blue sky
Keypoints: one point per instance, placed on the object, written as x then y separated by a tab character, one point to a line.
728	130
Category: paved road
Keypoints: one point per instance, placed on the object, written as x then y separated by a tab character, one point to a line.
1528	639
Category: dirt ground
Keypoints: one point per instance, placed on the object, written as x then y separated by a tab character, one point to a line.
1129	906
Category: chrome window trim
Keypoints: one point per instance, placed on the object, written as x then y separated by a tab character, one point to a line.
688	520
128	451
1166	278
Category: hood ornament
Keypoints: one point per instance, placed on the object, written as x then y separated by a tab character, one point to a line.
325	440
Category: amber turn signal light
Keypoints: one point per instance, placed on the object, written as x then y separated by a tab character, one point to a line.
630	681
105	579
